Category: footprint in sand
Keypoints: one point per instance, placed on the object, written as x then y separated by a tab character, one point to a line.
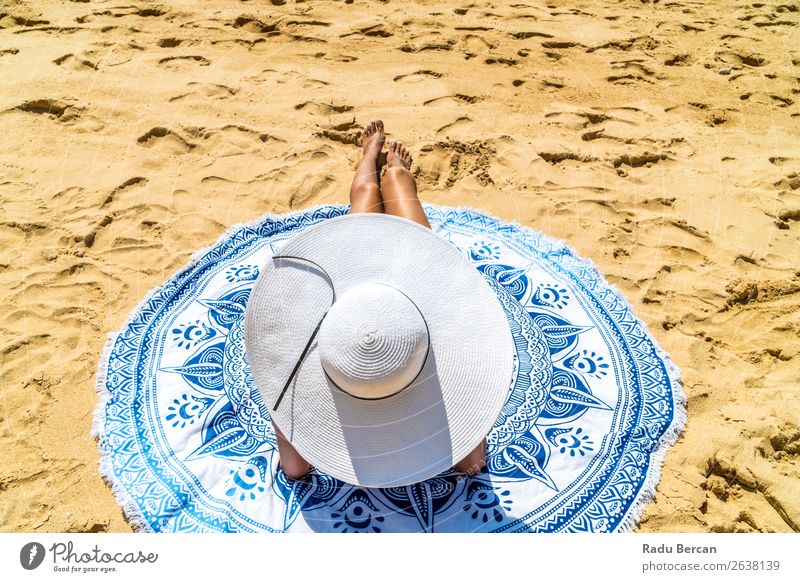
741	57
286	76
166	141
295	29
13	20
325	109
52	107
447	45
229	140
745	483
679	60
449	129
204	91
500	60
561	44
526	34
251	23
348	132
458	98
444	163
642	43
634	71
473	45
120	12
747	293
75	63
417	76
170	42
178	62
128	184
68	113
375	30
638	160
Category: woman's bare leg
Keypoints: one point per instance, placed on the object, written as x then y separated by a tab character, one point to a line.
399	188
365	192
294	466
399	191
365	196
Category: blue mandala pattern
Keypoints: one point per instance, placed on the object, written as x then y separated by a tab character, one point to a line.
188	444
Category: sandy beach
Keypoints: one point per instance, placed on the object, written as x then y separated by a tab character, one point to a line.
661	140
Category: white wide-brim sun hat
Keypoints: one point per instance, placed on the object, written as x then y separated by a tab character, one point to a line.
380	352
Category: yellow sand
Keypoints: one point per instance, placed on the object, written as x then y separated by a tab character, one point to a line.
134	135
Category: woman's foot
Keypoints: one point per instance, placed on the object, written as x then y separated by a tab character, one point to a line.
399	188
365	191
473	462
373	138
398	155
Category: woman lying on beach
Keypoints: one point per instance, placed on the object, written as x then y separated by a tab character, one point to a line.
394	193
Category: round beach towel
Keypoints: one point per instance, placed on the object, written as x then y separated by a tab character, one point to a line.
187	445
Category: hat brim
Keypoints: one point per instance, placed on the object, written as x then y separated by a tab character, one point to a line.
433	423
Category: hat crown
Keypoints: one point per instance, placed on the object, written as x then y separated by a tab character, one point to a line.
373	342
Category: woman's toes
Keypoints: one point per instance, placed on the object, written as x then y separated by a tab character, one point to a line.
398	155
373	138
